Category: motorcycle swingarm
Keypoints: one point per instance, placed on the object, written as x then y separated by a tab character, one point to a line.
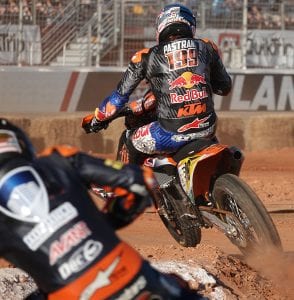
208	213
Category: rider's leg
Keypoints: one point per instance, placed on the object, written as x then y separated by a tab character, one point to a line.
134	155
152	139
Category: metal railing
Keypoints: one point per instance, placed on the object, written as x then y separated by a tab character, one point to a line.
95	38
62	30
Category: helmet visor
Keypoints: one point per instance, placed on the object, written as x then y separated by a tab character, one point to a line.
9	142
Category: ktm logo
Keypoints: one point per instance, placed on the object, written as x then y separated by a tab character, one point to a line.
191	109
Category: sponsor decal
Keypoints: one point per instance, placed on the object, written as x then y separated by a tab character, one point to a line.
170	16
181	54
178	45
191	109
191	95
141	132
146	145
133	290
102	279
46	228
187	80
23	195
149	162
157	162
68	240
192	136
196	124
81	258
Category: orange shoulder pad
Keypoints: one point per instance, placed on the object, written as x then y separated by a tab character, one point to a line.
137	57
214	46
64	150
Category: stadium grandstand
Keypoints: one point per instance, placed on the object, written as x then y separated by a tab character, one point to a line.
84	33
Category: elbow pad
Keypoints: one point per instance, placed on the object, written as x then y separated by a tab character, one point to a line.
110	106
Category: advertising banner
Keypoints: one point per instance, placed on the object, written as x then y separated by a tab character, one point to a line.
259	92
20	47
264	48
74	90
270	49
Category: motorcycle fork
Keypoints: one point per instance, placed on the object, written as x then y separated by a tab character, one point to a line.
172	191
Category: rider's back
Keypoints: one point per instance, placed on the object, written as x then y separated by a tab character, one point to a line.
69	222
184	74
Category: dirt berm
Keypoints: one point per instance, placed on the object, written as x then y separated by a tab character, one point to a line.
249	131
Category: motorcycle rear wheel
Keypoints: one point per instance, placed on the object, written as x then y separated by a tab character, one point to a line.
255	230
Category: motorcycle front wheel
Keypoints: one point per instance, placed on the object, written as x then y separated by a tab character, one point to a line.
179	216
252	228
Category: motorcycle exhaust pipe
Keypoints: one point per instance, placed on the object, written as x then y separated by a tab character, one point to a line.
237	159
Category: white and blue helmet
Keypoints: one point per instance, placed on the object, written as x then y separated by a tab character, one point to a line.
14	140
175	19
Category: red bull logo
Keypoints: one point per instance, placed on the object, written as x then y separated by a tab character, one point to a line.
141	132
196	124
178	83
191	95
196	79
186	80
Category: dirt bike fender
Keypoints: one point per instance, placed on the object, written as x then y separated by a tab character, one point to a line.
195	171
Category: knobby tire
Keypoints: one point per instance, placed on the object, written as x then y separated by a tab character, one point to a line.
229	186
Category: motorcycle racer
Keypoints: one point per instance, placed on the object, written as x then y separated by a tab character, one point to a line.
51	228
183	73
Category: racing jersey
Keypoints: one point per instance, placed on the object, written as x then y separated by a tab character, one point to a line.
50	227
183	75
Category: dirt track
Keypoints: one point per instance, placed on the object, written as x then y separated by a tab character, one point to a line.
271	175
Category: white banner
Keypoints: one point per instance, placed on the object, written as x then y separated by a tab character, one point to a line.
270	48
265	48
24	48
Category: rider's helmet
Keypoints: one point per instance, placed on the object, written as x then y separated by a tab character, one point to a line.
13	140
175	20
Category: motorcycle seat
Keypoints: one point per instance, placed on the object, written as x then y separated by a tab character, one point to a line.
193	147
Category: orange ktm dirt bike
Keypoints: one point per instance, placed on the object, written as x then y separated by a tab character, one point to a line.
199	187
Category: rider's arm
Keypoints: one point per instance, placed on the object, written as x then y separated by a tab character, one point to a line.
111	173
144	104
131	185
105	172
220	80
133	75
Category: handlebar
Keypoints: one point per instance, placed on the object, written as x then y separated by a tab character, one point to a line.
90	127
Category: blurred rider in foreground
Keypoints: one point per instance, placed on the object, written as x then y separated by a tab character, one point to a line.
51	228
183	73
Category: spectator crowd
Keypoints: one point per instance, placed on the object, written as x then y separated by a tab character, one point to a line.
42	13
262	14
